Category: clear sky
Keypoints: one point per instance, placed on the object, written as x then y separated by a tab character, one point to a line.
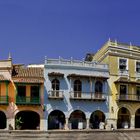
33	29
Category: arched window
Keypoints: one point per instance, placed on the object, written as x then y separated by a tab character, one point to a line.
55	87
55	84
77	88
98	87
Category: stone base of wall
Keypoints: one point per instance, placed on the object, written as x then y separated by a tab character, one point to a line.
71	135
111	124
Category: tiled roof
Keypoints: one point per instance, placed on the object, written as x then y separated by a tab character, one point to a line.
2	78
87	76
28	75
56	74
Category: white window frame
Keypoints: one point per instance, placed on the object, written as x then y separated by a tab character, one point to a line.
126	63
136	66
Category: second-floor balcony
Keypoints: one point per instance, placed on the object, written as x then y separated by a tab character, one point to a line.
123	73
87	96
128	98
22	100
137	75
55	94
4	100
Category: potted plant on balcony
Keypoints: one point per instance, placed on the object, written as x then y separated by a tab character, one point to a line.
18	123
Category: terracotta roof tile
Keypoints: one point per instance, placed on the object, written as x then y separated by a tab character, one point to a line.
28	75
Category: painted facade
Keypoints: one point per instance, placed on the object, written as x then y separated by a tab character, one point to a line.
124	82
76	94
21	96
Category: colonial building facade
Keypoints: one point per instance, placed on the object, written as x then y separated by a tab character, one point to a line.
124	82
103	92
76	94
21	96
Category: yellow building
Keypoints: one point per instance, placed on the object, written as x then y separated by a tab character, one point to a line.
21	96
124	83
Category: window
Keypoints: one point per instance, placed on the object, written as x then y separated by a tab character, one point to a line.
34	91
123	64
123	89
55	84
138	67
98	87
55	87
77	85
35	94
21	91
77	88
138	91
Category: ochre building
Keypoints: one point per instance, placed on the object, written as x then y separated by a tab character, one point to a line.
124	83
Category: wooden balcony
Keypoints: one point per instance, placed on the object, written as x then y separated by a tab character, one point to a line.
21	100
128	98
4	100
91	96
56	94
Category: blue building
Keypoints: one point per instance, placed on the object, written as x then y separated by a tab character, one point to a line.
76	94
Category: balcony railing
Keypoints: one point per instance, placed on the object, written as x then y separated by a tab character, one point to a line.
55	94
28	100
71	62
4	99
137	75
87	96
123	73
128	97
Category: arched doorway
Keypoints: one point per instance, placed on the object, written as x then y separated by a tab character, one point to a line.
123	118
56	120
77	120
95	119
2	120
27	120
137	119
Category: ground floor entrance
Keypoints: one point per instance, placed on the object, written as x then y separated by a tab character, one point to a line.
96	118
123	118
77	120
56	120
27	120
3	120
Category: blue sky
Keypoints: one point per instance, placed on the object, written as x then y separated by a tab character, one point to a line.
33	29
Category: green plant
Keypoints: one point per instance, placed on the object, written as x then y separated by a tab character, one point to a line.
18	123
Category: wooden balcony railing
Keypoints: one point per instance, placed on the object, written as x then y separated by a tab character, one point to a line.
28	100
55	94
128	97
4	100
77	95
